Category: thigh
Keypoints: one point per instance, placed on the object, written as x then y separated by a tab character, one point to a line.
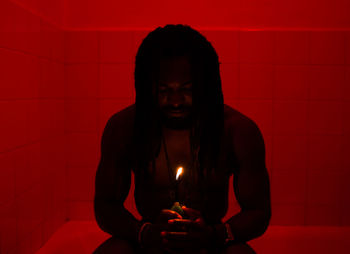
116	245
151	251
164	251
238	248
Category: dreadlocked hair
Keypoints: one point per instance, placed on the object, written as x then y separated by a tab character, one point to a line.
208	107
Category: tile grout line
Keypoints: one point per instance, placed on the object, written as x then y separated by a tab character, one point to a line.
273	101
307	171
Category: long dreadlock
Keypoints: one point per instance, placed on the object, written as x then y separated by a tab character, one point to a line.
208	110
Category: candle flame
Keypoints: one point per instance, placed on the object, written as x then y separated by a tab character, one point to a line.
179	172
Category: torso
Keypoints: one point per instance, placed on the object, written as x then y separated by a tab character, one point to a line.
153	195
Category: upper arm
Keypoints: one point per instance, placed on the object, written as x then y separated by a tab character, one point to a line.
251	182
113	176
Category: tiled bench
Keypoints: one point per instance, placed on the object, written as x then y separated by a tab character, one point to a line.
84	236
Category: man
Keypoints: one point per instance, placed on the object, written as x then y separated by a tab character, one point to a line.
179	120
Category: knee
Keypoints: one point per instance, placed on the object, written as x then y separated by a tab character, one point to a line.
239	248
115	245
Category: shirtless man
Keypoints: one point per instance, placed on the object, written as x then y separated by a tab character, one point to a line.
178	96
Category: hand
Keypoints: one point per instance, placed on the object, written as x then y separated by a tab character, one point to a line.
166	215
192	233
151	234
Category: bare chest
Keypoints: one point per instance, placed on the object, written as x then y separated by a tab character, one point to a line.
173	154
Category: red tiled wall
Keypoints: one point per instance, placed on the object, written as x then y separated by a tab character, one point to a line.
58	87
95	63
51	11
207	13
32	146
293	84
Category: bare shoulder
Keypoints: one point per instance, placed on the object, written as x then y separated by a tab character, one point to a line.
124	117
122	121
236	121
118	130
245	136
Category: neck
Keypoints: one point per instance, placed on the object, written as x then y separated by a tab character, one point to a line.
177	124
175	132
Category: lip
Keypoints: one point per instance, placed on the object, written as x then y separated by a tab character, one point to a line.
177	113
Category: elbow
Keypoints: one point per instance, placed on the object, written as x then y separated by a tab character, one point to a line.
98	214
265	222
101	213
261	223
106	212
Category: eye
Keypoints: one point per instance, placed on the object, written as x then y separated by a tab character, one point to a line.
187	89
163	90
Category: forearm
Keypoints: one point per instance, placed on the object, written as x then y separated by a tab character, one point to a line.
249	224
116	220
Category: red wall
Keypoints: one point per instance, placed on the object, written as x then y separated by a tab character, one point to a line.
103	14
60	83
32	139
51	11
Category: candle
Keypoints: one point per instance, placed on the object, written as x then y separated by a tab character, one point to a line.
177	206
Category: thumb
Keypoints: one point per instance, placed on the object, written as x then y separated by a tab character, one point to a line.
191	213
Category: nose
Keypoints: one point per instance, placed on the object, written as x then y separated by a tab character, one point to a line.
176	99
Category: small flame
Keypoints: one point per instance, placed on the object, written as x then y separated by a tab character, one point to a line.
179	172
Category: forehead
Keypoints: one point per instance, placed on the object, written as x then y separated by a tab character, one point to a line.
175	69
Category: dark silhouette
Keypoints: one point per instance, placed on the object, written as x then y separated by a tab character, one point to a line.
179	119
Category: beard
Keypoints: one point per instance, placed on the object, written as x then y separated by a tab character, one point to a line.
177	123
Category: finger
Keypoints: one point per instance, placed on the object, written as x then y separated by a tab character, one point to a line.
191	213
181	240
182	236
167	214
181	224
176	236
180	221
186	224
170	213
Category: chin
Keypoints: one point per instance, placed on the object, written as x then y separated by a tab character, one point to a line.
178	122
